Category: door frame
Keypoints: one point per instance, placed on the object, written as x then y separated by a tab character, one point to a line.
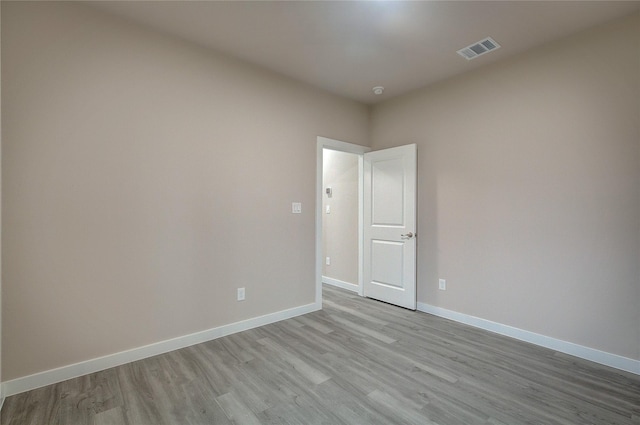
337	145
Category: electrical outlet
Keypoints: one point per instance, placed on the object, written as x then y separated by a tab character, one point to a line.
442	284
327	261
240	294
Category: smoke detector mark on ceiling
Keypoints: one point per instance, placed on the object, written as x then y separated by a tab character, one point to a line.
479	48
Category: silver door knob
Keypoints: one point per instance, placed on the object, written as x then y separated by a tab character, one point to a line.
407	236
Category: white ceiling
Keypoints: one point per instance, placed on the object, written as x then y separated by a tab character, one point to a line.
350	47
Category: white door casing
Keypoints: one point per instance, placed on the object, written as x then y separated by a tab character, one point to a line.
390	225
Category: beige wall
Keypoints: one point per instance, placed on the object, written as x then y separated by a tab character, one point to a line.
144	180
340	227
1	392
529	177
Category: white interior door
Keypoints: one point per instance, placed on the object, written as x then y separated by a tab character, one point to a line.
390	225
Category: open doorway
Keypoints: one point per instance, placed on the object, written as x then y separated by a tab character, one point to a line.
339	233
386	234
340	219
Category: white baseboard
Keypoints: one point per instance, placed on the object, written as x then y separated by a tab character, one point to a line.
41	379
597	356
340	284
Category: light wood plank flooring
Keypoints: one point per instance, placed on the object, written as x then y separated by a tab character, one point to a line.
356	362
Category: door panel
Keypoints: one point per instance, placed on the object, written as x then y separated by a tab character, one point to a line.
387	186
390	225
386	259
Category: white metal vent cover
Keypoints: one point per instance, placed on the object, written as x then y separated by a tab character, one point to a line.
478	49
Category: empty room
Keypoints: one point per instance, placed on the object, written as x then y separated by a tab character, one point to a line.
320	212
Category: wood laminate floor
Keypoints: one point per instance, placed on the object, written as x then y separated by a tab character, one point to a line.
357	361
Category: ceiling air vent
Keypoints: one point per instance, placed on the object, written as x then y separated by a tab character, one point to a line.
479	48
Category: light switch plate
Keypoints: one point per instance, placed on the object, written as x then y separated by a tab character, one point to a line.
296	207
442	284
